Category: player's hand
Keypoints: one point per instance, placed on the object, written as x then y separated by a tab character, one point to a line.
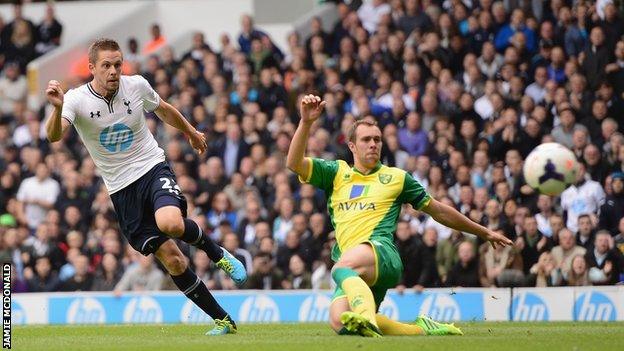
54	93
498	239
311	108
197	140
608	267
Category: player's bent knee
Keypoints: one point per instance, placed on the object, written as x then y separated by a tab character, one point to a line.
175	264
171	225
346	263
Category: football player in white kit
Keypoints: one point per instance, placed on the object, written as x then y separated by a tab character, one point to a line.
108	115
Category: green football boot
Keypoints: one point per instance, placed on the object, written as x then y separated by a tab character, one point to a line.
432	327
357	324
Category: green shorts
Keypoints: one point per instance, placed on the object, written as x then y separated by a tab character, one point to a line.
388	267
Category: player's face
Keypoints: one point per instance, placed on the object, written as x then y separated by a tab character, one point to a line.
107	69
367	146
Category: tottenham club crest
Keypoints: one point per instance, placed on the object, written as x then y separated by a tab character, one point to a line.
127	104
385	178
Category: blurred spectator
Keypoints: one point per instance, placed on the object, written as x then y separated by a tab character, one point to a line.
321	276
221	211
248	33
290	247
544	273
465	272
584	197
20	48
500	266
37	195
578	272
408	249
545	207
298	278
199	48
613	208
426	270
231	149
156	42
82	280
143	276
265	275
371	13
132	54
48	32
13	89
532	244
619	238
606	259
447	253
412	138
586	234
563	253
44	279
596	57
108	274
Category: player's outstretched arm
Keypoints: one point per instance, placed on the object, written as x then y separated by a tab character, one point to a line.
310	110
55	125
451	218
173	117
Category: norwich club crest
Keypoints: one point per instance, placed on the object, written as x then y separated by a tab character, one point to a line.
385	178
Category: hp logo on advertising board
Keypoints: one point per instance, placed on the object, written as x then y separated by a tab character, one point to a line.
315	308
86	310
18	314
441	307
594	306
191	314
142	309
389	308
259	308
529	307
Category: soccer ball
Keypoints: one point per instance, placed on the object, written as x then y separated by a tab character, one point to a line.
550	168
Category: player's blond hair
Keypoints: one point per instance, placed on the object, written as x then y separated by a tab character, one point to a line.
101	45
366	121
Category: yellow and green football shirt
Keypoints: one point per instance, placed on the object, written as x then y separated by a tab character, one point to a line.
364	207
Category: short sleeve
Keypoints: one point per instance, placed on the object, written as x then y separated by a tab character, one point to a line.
69	107
150	97
414	193
321	173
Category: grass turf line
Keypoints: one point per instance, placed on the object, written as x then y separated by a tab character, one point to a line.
259	337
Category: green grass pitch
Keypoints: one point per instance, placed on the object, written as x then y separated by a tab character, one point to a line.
284	337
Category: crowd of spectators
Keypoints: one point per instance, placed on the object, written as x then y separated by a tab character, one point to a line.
462	90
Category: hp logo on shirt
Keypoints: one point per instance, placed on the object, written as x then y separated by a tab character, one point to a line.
116	138
594	306
529	307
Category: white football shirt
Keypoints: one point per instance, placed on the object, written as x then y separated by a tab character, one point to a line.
585	199
115	132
